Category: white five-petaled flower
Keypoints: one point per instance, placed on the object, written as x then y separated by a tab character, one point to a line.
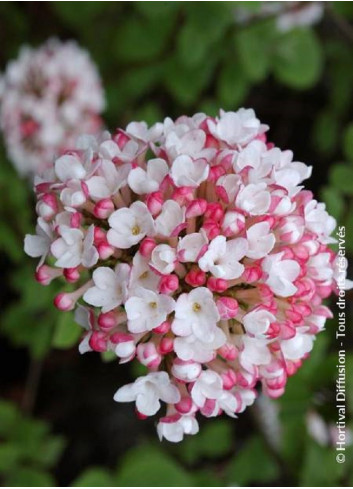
129	225
281	274
199	350
110	287
258	321
196	313
260	240
173	428
163	259
146	310
254	198
145	181
187	172
298	346
171	219
192	246
38	245
222	257
147	391
74	248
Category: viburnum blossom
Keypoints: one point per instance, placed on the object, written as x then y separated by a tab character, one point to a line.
197	252
48	96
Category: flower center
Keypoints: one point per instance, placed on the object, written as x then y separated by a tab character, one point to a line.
153	305
144	275
196	307
135	230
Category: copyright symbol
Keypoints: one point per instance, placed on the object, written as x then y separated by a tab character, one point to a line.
340	458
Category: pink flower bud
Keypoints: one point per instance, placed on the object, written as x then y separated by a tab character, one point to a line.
44	274
229	378
183	195
47	206
184	406
227	307
120	138
252	274
217	284
186	371
211	142
214	212
71	274
166	345
98	341
211	228
99	235
65	301
228	352
107	320
148	355
154	202
196	208
195	277
168	284
147	246
140	415
103	208
105	250
163	328
76	219
215	173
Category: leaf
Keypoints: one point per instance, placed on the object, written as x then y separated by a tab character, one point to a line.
9	415
341	177
298	59
29	477
325	133
320	468
150	466
232	86
348	142
94	477
67	332
10	454
253	463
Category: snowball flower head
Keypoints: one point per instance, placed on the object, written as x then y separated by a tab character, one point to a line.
48	96
197	252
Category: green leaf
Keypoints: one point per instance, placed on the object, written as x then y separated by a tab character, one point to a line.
78	17
29	477
67	332
299	59
94	477
10	455
341	177
348	142
9	415
253	463
320	468
150	466
333	200
325	132
232	86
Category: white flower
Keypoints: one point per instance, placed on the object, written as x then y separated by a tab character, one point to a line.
69	167
171	219
319	221
281	274
254	199
298	346
142	275
110	150
192	348
255	352
229	185
163	259
129	225
85	318
186	371
108	179
222	257
236	128
319	268
191	246
185	141
146	310
147	391
208	386
140	130
149	180
74	248
260	240
258	321
188	172
196	313
173	428
39	245
110	287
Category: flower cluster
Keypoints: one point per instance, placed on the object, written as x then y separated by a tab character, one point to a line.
197	252
48	97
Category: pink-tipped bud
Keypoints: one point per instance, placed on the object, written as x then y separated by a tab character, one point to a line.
99	235
168	284
76	219
98	341
65	301
47	206
124	346
217	284
273	330
107	321
252	274
183	195
215	173
103	208
233	223
228	352
154	202
44	274
229	379
195	277
147	246
148	355
105	250
196	208
214	212
184	406
211	228
186	371
71	274
211	142
227	307
140	415
166	345
120	138
163	328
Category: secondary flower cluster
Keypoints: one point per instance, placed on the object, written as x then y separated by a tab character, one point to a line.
196	252
48	97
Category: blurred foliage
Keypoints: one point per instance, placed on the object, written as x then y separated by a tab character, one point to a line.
161	59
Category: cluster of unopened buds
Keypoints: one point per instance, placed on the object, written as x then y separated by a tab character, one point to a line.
48	97
196	252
